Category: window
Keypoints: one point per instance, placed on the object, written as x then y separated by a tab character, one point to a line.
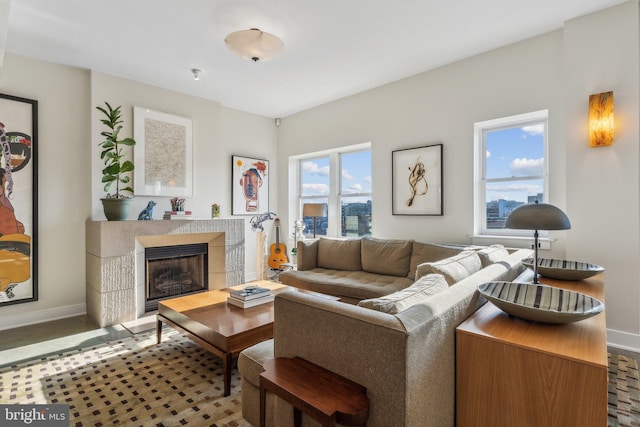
341	180
511	169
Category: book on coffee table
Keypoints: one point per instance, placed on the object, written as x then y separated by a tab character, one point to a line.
250	303
250	293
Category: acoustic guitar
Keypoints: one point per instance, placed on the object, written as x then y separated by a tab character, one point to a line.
278	252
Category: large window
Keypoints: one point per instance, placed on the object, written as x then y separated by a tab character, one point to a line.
340	180
511	169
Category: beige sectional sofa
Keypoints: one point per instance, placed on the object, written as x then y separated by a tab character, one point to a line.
400	345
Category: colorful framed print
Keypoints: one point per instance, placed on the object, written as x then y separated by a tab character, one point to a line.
417	181
163	154
249	185
18	200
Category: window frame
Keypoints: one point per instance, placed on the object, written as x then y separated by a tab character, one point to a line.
336	193
480	167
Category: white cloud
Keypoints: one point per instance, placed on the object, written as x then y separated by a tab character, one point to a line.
315	189
355	188
313	169
488	154
534	129
521	167
346	175
367	179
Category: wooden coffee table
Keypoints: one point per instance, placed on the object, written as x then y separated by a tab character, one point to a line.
223	329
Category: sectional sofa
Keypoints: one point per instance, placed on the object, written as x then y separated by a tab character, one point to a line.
396	332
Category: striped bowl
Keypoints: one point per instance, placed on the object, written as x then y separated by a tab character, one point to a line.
564	270
541	303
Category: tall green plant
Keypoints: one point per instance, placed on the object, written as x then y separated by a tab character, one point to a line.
112	155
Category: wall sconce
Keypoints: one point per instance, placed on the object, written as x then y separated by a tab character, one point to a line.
601	119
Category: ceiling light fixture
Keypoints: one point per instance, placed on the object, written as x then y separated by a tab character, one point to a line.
196	73
254	44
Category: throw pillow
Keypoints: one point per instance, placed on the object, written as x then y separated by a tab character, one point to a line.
453	269
492	254
385	256
428	252
398	302
339	254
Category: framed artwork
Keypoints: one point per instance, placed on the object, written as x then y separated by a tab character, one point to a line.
249	185
417	181
163	154
18	200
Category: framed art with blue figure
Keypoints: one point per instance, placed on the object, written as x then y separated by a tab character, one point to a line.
249	185
18	200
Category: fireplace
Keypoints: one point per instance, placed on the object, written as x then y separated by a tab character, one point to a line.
174	271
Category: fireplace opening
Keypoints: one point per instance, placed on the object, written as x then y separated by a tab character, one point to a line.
175	271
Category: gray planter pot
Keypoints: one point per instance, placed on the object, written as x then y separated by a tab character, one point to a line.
116	209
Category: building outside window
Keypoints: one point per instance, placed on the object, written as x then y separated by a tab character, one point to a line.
341	180
511	169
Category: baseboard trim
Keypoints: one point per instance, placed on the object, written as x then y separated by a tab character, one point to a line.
34	317
623	340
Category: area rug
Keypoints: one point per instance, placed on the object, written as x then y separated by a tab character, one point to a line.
130	382
624	391
136	382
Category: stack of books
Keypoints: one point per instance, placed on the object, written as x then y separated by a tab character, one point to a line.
249	296
177	215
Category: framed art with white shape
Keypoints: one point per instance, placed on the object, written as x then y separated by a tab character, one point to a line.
18	200
417	181
249	185
163	154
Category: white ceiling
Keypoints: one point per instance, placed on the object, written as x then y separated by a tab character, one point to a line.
333	48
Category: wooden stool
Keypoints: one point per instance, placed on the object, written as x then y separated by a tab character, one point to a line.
322	394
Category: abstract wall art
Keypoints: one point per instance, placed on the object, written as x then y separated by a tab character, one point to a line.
417	181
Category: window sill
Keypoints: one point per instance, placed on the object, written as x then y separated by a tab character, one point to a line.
511	241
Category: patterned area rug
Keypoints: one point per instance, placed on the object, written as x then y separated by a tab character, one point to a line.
130	382
624	391
134	382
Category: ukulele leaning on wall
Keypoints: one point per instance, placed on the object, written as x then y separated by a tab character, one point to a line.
278	252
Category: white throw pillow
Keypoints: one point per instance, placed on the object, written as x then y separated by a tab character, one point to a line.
454	268
492	254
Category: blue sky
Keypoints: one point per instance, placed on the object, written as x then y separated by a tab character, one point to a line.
513	153
355	176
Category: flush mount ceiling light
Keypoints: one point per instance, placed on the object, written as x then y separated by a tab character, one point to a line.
254	44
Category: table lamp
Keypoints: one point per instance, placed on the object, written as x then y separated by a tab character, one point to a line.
315	210
537	216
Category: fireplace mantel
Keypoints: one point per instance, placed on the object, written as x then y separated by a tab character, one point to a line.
115	260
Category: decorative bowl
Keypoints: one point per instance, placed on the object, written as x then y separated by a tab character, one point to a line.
541	303
563	269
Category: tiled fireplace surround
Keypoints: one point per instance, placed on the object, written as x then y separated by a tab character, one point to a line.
115	260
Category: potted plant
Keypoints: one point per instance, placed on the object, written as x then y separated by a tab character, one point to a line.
116	205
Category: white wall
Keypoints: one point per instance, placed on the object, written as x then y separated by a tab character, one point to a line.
70	168
64	147
602	53
598	188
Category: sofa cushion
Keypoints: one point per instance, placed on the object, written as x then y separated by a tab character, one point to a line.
348	285
492	254
339	254
454	268
427	252
399	301
385	256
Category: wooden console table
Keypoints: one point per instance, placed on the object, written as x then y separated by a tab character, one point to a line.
511	371
324	395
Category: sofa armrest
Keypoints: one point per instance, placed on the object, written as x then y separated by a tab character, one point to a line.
307	255
365	346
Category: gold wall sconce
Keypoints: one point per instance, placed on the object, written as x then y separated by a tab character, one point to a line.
601	119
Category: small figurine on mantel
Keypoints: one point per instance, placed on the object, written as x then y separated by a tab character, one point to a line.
147	213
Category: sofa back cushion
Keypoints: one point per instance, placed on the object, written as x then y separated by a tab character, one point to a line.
492	254
399	301
453	269
386	256
339	254
426	252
